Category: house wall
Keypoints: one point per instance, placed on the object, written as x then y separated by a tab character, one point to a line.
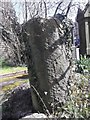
82	34
87	29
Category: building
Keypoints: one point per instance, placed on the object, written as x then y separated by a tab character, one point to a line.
83	19
75	42
87	27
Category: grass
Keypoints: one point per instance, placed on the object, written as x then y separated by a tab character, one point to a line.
10	78
10	87
7	70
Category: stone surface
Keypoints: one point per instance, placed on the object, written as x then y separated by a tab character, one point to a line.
35	116
18	104
48	64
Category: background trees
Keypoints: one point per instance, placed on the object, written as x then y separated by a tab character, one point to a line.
15	13
10	34
47	47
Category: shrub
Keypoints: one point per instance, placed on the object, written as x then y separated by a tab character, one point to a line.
78	102
83	65
77	105
3	63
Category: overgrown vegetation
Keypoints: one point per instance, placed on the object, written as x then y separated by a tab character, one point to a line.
3	63
83	65
78	103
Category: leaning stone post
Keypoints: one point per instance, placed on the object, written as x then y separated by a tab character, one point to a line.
48	65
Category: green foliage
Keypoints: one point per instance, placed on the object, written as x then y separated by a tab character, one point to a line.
83	64
3	63
78	102
8	69
77	105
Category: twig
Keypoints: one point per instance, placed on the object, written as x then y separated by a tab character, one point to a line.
69	6
45	9
41	99
57	8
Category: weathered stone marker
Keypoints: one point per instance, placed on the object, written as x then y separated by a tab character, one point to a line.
48	65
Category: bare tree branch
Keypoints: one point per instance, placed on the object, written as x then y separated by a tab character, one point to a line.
25	11
58	7
45	8
69	6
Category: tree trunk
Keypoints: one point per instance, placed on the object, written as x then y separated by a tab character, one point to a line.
48	65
